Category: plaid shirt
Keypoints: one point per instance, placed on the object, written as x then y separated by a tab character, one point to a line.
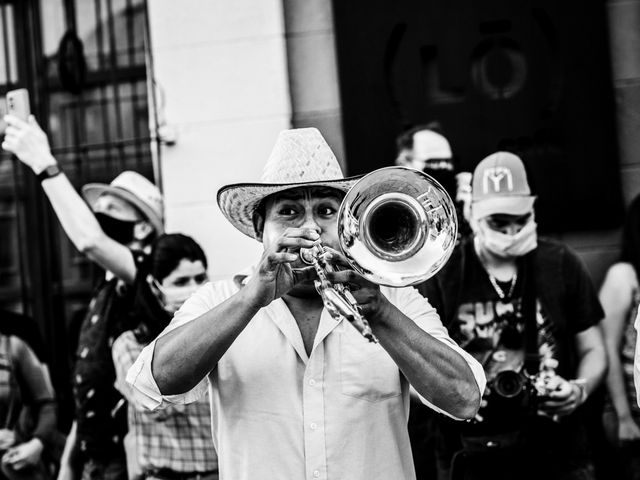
177	438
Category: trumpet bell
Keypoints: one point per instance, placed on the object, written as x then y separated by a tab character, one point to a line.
397	226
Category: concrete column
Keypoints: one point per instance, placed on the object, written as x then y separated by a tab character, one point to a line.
313	70
221	71
624	26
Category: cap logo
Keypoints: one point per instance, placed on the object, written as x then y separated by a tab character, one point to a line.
493	177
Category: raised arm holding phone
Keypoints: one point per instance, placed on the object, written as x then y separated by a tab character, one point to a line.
113	226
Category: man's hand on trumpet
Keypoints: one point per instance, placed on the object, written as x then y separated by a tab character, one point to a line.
373	304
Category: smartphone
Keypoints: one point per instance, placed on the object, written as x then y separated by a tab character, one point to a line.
18	103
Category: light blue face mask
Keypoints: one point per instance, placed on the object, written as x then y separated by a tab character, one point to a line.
173	297
503	245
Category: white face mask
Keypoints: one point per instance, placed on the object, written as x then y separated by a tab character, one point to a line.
503	245
173	297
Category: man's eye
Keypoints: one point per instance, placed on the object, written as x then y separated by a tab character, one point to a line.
287	211
327	211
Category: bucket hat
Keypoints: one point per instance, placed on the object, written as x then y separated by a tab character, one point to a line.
135	189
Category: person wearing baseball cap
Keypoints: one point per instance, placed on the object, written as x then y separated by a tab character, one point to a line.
295	392
113	226
524	307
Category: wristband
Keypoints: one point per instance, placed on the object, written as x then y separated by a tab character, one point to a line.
49	172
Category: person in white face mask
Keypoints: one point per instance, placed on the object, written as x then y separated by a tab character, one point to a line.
526	309
177	442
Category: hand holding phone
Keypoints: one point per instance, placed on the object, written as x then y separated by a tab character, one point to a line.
23	136
18	103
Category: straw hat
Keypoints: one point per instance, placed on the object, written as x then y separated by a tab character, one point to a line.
300	158
135	189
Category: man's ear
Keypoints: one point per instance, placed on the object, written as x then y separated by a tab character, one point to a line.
258	225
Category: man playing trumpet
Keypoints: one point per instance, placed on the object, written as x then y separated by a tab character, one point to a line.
295	393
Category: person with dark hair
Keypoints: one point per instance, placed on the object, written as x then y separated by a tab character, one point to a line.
297	390
175	442
113	226
25	328
526	309
25	389
620	297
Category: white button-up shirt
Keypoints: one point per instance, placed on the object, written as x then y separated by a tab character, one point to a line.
277	413
636	360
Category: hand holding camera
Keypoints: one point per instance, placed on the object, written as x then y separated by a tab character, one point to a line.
562	397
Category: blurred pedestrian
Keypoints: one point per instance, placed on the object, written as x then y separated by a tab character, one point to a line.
620	296
114	232
425	148
526	309
175	442
25	390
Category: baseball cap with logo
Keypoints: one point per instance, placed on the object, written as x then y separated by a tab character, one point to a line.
500	187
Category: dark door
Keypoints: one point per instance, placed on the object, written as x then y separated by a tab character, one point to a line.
531	77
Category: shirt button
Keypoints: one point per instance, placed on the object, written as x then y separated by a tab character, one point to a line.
316	473
94	319
78	378
91	393
313	425
312	382
84	352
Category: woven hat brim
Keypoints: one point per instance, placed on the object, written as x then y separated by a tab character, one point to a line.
239	201
92	191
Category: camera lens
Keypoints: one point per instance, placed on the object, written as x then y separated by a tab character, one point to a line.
508	384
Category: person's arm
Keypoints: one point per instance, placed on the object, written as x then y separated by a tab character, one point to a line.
616	297
39	391
30	144
592	356
565	395
36	390
438	370
66	461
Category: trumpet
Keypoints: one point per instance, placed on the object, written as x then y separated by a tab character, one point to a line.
397	227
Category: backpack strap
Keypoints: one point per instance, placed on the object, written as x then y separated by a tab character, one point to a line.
529	313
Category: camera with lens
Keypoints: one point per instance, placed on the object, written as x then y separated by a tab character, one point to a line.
511	384
519	390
